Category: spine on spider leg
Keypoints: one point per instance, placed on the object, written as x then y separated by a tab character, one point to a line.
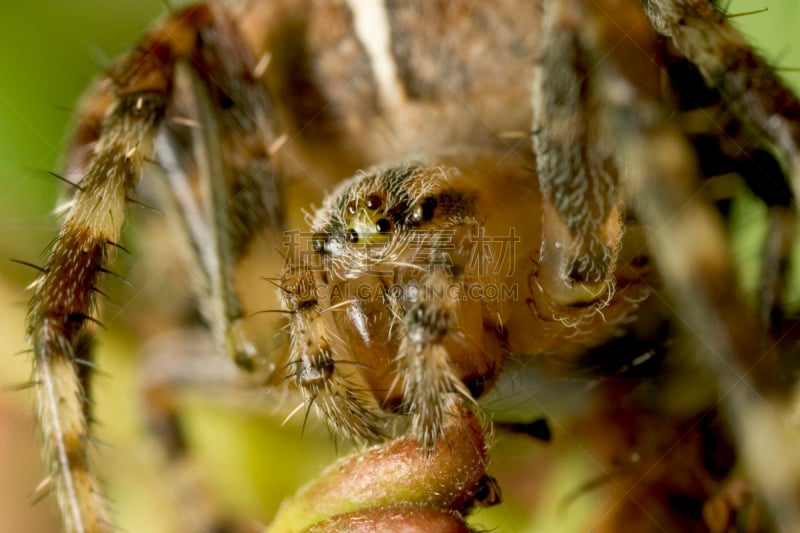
63	299
343	403
433	358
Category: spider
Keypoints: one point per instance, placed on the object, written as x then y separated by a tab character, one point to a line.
514	187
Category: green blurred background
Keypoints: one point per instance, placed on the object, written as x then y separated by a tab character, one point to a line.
49	51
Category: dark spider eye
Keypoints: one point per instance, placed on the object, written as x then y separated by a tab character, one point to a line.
383	225
374	201
423	211
352	236
352	208
428	207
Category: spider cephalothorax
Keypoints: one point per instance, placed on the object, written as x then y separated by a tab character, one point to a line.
422	279
515	185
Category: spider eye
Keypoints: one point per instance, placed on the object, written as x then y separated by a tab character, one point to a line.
424	211
383	225
367	221
428	206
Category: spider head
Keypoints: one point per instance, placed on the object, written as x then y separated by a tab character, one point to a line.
367	221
